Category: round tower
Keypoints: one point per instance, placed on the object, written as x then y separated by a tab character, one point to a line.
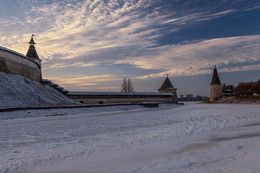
215	87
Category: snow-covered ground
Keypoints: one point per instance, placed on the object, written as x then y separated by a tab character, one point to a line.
35	113
189	138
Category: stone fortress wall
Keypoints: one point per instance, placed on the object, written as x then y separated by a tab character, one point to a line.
117	97
15	63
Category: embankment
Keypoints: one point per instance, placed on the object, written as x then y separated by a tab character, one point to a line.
239	99
18	91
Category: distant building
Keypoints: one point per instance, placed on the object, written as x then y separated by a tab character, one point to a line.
190	97
167	87
227	92
215	87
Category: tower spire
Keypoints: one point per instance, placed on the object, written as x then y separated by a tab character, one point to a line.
32	41
215	78
32	53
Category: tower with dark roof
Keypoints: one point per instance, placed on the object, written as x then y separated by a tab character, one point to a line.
32	53
215	87
167	87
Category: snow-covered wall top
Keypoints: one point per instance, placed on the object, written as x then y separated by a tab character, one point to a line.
15	63
17	53
118	93
119	97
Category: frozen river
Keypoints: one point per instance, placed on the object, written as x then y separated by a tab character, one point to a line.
189	138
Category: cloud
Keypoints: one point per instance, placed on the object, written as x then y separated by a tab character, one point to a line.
198	58
85	79
197	17
95	25
180	60
93	83
85	34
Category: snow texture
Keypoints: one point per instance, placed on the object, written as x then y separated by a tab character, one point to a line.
34	113
18	91
189	138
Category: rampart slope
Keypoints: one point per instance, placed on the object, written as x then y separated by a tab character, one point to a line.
18	91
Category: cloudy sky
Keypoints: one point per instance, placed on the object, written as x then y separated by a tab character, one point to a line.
90	45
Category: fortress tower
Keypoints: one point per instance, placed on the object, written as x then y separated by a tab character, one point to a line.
28	66
167	87
32	53
215	86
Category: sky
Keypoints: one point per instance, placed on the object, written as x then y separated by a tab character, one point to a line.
91	45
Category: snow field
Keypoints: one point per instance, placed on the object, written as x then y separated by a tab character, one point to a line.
34	113
190	138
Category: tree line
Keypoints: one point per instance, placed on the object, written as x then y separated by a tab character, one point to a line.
243	88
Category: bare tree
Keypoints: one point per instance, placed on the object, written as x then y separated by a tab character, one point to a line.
130	87
124	86
244	89
256	88
127	86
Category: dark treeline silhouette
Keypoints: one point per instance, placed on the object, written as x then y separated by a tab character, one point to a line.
243	89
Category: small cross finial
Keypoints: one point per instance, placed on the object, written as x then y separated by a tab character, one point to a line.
167	75
32	41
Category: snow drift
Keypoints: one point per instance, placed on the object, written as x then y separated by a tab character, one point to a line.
18	91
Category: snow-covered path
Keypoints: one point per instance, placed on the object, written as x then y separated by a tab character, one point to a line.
158	139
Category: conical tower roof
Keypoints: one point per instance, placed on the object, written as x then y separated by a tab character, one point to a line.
215	78
32	53
167	84
31	41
